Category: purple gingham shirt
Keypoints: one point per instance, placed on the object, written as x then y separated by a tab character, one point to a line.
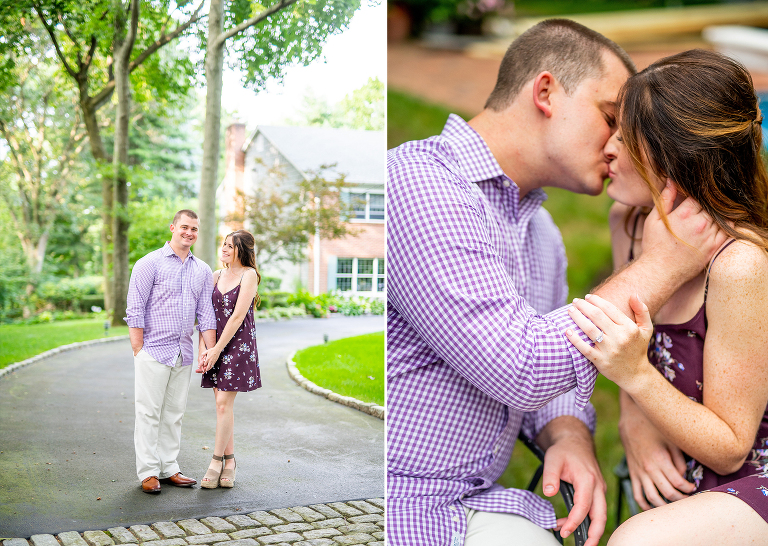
164	297
471	358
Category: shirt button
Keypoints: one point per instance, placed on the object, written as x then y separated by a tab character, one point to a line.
456	519
506	183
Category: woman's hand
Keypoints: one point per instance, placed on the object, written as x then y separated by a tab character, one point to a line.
656	466
621	344
210	357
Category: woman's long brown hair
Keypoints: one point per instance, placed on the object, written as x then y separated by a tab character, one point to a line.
695	117
243	241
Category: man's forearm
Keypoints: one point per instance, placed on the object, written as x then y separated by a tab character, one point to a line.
560	427
649	280
209	336
137	339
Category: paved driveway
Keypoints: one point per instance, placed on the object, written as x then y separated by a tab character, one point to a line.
66	440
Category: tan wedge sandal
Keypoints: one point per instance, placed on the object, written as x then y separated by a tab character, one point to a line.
212	477
228	474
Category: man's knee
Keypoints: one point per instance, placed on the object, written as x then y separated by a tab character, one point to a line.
499	529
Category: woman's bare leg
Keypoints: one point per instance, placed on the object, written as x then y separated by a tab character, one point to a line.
225	427
705	519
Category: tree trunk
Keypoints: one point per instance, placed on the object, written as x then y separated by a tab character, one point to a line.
214	63
40	248
102	159
123	45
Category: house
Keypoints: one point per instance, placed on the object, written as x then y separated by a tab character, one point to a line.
353	264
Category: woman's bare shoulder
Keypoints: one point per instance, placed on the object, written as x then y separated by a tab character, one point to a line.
737	285
251	276
740	262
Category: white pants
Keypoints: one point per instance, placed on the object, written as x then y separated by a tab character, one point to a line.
161	398
498	529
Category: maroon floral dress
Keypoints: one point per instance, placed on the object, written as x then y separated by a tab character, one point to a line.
677	352
237	368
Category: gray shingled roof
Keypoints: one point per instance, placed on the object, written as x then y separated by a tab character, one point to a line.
361	155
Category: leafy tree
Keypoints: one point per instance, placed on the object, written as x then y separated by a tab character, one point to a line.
44	141
283	221
262	40
100	44
364	107
361	109
150	221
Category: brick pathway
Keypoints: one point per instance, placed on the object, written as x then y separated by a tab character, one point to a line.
332	524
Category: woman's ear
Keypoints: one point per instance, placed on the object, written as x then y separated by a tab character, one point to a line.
543	86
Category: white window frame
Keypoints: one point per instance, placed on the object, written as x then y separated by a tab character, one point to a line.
367	194
374	276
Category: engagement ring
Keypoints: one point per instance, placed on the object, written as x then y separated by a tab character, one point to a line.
599	338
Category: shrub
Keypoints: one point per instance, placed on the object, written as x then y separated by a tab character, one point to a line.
280	312
45	316
67	293
354	306
378	307
270	284
13	296
314	305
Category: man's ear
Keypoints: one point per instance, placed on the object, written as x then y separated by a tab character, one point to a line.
543	86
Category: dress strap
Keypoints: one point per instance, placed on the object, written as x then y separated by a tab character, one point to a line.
217	278
632	239
706	284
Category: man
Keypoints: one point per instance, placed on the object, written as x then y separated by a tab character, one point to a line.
169	289
476	281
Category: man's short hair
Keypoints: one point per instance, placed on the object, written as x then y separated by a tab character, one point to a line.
184	212
570	51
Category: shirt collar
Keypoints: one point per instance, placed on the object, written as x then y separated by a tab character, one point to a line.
168	251
477	162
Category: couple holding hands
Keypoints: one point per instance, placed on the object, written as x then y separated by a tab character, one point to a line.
169	289
482	345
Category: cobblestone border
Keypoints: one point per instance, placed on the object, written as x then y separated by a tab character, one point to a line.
366	407
13	367
332	524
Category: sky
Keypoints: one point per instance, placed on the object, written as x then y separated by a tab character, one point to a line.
358	53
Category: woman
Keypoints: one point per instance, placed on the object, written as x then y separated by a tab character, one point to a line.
232	365
697	394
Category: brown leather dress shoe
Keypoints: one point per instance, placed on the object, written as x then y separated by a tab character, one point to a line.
151	485
179	480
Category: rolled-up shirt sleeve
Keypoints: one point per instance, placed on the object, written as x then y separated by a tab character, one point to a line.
139	289
206	318
449	281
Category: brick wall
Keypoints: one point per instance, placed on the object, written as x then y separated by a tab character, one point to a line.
370	243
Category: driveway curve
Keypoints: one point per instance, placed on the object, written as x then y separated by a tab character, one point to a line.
66	440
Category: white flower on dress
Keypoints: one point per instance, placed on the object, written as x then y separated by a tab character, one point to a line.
243	347
227	312
228	375
252	357
251	381
253	333
225	300
226	359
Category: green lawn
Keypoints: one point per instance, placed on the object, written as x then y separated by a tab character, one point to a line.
351	367
583	222
19	342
